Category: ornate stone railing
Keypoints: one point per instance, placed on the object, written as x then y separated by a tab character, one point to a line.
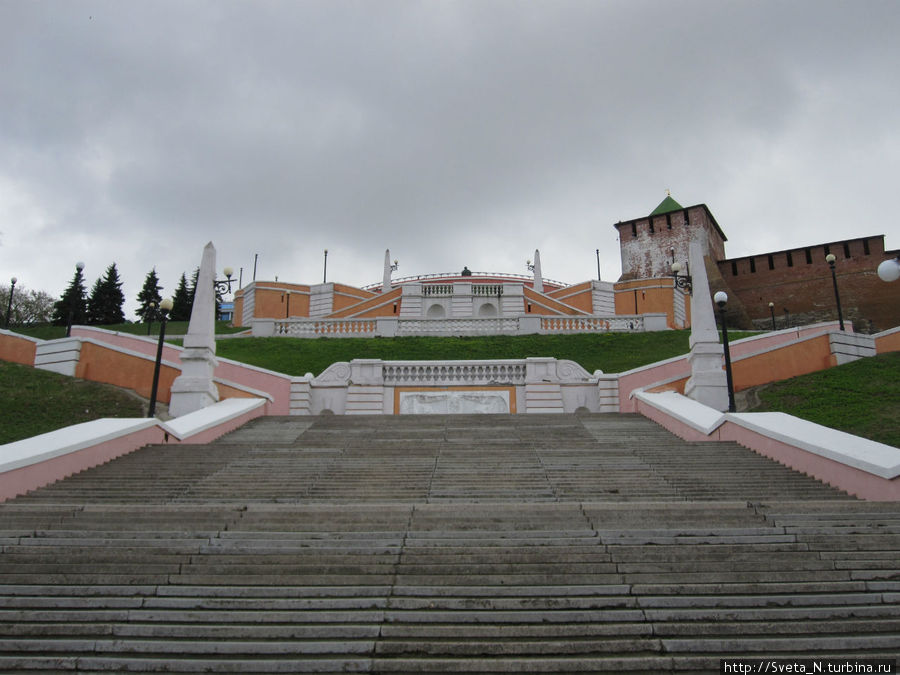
454	373
590	324
437	289
490	326
393	326
326	327
487	289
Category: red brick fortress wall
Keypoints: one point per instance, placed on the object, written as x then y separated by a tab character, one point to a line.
799	280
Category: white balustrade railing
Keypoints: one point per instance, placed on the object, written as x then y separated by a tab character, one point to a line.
590	324
424	373
489	326
393	326
437	289
487	289
326	327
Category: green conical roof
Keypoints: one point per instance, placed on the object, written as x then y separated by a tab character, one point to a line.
667	205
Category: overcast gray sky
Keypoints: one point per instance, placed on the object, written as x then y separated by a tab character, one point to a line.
457	132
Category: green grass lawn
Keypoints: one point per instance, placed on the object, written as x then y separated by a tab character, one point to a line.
609	352
36	401
862	398
50	332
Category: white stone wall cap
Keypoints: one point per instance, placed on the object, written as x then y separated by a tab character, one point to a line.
11	333
688	411
206	418
861	453
68	440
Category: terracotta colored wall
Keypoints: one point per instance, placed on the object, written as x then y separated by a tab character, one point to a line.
888	343
370	308
550	306
645	296
788	361
101	364
17	349
238	318
347	296
578	296
272	303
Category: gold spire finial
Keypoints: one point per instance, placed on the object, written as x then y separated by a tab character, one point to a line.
668	194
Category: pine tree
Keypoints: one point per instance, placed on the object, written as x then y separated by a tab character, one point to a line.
73	303
192	289
149	293
105	303
181	301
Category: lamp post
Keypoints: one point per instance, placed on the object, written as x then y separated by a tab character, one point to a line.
325	267
12	288
148	317
772	312
78	267
837	296
684	280
889	270
598	264
287	309
164	308
721	298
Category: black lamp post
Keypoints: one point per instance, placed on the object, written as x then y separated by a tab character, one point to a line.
149	314
78	266
325	267
772	312
837	296
721	298
287	309
164	308
12	288
598	264
684	281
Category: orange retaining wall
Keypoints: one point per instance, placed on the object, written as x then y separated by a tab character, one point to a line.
17	349
110	366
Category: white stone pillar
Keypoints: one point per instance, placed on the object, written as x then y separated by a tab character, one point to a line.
386	279
538	276
194	388
707	383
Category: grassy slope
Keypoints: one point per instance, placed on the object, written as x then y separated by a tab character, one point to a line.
50	332
36	401
862	398
610	352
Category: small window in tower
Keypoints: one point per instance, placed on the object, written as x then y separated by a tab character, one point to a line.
846	250
790	259
650	222
734	268
827	249
687	217
808	257
866	247
668	221
753	265
771	262
634	229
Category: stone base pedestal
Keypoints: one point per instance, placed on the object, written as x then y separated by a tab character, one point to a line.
707	384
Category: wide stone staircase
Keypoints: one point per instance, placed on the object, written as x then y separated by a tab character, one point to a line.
523	543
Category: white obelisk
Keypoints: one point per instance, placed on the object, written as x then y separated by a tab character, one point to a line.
707	383
194	388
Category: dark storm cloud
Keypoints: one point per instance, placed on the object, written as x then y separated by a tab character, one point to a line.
453	132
